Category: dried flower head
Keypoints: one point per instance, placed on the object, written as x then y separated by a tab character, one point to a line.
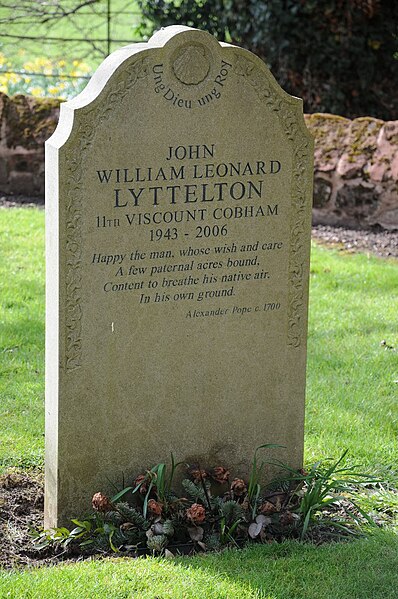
101	503
220	475
267	508
196	513
197	474
155	507
238	487
142	481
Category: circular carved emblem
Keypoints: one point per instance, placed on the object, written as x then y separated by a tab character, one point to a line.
191	66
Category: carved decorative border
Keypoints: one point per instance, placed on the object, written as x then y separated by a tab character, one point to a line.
81	140
297	253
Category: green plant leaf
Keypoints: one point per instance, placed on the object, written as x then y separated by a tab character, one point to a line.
256	471
160	481
174	465
87	542
123	492
306	524
146	499
85	524
234	526
76	531
112	546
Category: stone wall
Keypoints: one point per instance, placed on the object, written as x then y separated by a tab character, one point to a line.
25	124
356	171
356	162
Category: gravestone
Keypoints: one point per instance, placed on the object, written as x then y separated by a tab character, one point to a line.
178	214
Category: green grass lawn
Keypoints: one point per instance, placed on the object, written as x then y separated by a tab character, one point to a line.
350	404
21	337
364	569
352	383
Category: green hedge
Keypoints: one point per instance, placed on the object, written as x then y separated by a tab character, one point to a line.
338	55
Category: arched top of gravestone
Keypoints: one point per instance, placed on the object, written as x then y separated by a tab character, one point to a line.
190	60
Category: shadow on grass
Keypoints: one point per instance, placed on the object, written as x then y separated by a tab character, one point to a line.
361	569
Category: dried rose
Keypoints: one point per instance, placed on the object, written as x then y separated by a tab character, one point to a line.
155	507
101	503
238	487
220	475
196	513
141	480
267	508
197	475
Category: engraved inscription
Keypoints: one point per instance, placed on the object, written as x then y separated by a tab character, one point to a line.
206	94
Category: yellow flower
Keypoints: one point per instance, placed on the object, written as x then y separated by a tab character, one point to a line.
36	91
61	63
30	66
75	63
85	68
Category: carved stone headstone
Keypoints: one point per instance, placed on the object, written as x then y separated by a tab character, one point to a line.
178	232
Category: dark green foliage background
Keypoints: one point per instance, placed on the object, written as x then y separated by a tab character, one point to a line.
338	55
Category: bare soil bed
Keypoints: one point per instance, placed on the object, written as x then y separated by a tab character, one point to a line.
21	507
21	511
